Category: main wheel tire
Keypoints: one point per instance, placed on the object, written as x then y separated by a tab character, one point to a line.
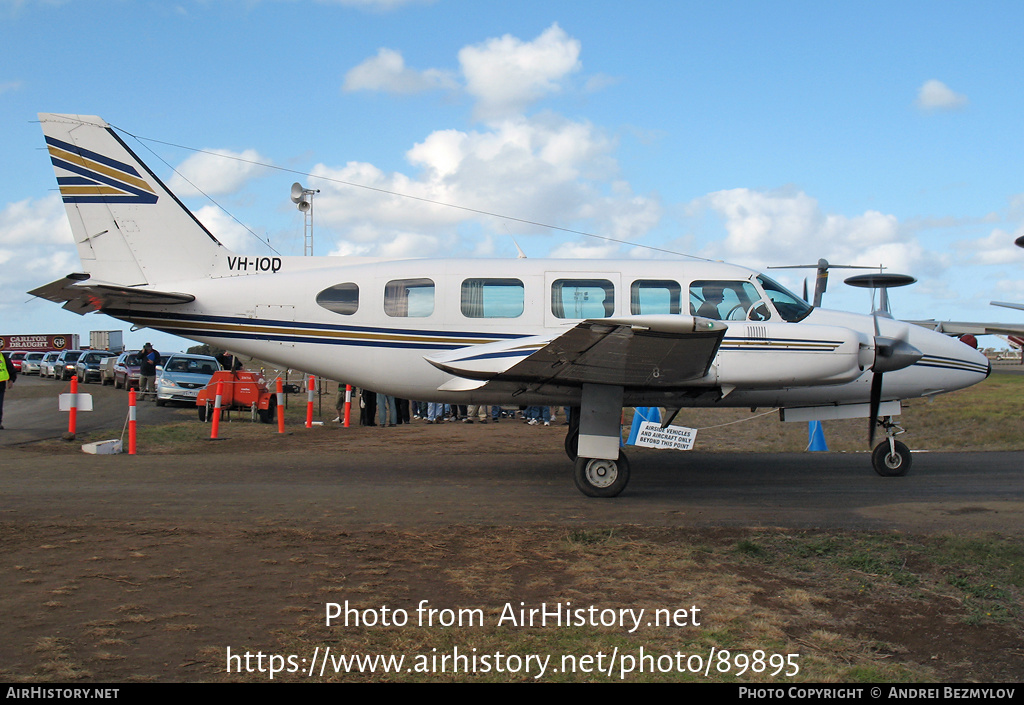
888	464
598	477
572	444
268	415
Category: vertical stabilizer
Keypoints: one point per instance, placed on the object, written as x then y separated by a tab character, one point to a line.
129	228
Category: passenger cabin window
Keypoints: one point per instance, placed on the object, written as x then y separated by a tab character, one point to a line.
582	298
790	306
726	301
409	298
492	298
340	298
654	296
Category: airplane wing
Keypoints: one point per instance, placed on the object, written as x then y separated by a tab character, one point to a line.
655	351
1019	307
81	297
971	327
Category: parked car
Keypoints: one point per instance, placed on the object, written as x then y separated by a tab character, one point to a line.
87	367
126	370
64	367
183	377
47	363
30	364
16	357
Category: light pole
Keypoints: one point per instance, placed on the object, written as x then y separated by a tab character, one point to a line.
303	200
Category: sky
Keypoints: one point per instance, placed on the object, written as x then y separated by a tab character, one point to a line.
759	133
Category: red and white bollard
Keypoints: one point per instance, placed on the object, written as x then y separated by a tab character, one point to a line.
348	403
215	427
280	406
131	422
73	411
310	390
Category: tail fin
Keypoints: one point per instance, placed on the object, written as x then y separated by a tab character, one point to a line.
129	228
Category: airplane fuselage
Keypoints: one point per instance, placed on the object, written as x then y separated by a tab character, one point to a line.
380	320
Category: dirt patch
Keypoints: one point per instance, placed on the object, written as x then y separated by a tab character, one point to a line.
101	601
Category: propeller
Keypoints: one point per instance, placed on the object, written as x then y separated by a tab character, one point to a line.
891	353
821	280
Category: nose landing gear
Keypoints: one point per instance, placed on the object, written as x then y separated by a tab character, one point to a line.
891	458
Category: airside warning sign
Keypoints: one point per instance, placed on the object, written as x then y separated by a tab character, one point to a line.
652	435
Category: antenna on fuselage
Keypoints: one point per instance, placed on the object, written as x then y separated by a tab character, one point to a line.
882	282
821	281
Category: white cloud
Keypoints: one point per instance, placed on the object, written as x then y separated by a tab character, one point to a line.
788	227
547	169
36	247
216	172
228	231
1010	290
30	224
996	249
387	72
507	74
936	95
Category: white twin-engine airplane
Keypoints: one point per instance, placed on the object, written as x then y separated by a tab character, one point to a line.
595	335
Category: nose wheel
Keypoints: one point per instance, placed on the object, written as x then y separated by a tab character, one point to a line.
891	461
891	458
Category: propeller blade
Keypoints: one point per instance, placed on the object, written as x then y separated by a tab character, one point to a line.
876	400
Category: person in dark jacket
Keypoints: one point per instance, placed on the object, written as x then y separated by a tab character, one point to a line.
149	358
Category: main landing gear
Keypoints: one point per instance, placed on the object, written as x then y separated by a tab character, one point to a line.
891	458
600	468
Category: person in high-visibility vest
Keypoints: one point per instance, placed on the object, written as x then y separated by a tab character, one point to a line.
7	376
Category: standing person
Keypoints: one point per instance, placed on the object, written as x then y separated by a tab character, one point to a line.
386	406
367	407
149	358
7	376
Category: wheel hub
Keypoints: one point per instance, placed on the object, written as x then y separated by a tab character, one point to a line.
602	473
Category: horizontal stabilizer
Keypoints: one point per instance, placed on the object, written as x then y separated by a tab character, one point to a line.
81	297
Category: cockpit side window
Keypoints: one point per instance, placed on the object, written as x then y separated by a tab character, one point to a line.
790	306
722	300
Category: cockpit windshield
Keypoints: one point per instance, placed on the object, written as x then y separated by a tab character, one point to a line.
790	306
